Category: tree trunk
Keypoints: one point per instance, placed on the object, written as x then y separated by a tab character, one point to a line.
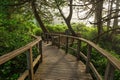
98	14
115	23
109	13
68	19
38	18
70	28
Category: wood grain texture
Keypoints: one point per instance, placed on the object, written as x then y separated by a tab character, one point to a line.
114	61
8	56
60	66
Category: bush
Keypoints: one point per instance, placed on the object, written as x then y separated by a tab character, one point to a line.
37	31
85	31
10	40
56	28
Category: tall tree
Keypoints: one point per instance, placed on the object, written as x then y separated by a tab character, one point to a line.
110	8
98	16
115	23
37	16
96	8
23	4
69	17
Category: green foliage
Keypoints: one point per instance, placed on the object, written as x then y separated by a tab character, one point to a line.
85	31
37	31
117	75
112	45
116	44
15	33
15	27
56	28
99	62
9	41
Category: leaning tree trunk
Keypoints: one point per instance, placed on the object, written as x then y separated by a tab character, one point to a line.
70	27
68	19
38	18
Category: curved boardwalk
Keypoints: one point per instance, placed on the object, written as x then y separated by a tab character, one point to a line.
57	65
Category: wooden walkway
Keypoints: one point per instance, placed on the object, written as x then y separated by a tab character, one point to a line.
57	65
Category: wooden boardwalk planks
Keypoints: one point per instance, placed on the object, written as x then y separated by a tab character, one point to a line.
57	65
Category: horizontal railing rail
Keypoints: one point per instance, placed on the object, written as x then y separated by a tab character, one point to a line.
113	63
31	64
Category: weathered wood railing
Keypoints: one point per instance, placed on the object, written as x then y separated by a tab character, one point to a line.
31	64
112	65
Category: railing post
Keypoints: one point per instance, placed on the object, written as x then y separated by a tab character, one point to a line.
47	38
78	49
30	64
109	73
52	40
88	58
59	41
40	49
66	50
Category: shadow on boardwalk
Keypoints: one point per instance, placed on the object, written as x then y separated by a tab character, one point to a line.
57	65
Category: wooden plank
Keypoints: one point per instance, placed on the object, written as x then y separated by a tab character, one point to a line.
30	66
78	49
36	60
115	62
19	51
26	73
66	49
59	41
90	65
11	55
88	58
57	65
109	73
97	75
81	54
40	51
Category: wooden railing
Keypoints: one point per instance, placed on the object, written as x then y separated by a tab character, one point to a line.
31	64
112	63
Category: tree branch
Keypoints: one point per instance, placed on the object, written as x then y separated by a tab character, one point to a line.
60	10
38	18
115	29
71	11
88	15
